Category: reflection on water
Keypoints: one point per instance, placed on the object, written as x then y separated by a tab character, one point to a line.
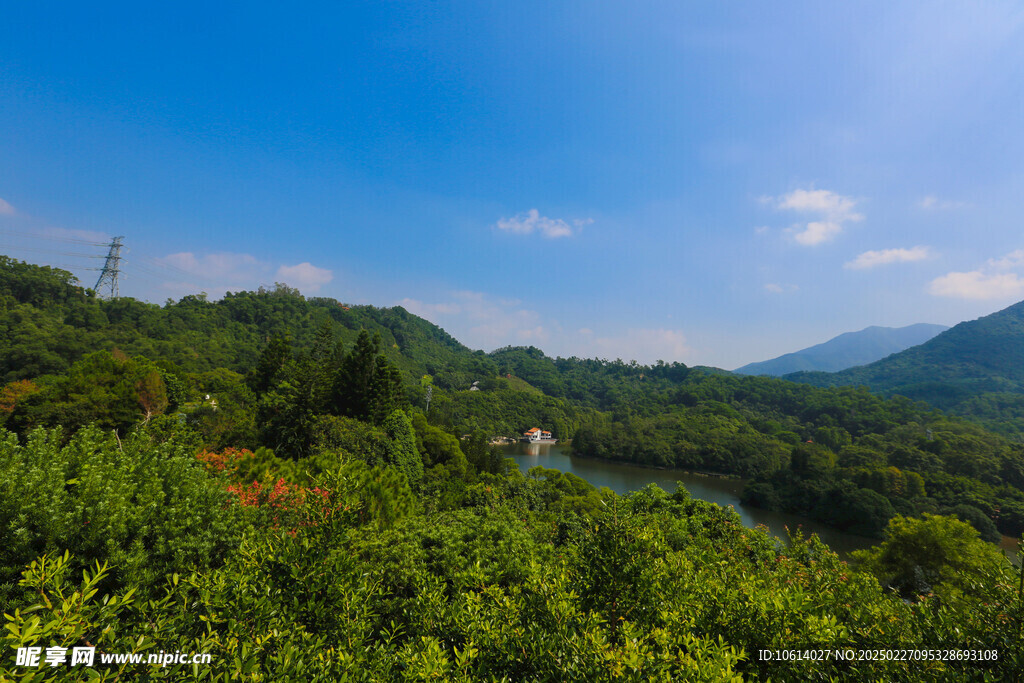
623	478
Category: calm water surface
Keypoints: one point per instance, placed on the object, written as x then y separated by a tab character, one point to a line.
623	478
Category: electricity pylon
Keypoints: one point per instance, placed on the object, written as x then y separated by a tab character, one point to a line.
111	268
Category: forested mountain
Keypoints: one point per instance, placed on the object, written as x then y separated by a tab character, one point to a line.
50	322
277	370
260	478
846	351
975	369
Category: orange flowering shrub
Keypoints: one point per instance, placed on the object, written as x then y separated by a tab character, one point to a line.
226	461
282	496
286	504
13	392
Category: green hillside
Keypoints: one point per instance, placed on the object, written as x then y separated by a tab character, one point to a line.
48	323
975	369
274	369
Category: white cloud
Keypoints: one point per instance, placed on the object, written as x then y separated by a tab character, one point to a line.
1015	259
221	267
834	210
189	273
184	260
644	344
834	206
870	259
425	310
776	288
232	271
6	209
538	334
305	276
531	221
483	321
817	232
978	285
228	261
446	309
933	203
994	280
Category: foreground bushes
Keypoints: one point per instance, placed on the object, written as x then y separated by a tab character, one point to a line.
480	596
145	505
528	579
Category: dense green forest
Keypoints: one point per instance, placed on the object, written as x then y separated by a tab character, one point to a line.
841	455
260	478
274	369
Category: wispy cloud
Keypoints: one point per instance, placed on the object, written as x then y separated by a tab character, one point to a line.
1015	259
816	232
32	228
871	259
531	221
187	273
776	288
978	285
219	266
826	202
643	344
997	279
305	276
833	211
933	203
425	310
486	321
480	320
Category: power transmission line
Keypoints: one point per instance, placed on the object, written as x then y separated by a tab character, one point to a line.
53	238
38	250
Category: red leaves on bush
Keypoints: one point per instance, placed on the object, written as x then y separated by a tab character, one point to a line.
13	392
288	504
226	461
282	496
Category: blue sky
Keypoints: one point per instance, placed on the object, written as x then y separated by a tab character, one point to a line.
713	185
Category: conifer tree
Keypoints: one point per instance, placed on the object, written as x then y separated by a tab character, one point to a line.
401	448
386	392
270	366
350	395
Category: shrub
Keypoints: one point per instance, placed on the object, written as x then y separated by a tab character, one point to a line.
146	506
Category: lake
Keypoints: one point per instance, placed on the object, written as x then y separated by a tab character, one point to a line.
623	478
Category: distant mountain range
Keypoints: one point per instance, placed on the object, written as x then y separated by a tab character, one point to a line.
975	369
846	351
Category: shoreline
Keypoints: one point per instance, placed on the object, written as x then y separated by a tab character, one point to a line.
1006	544
660	468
